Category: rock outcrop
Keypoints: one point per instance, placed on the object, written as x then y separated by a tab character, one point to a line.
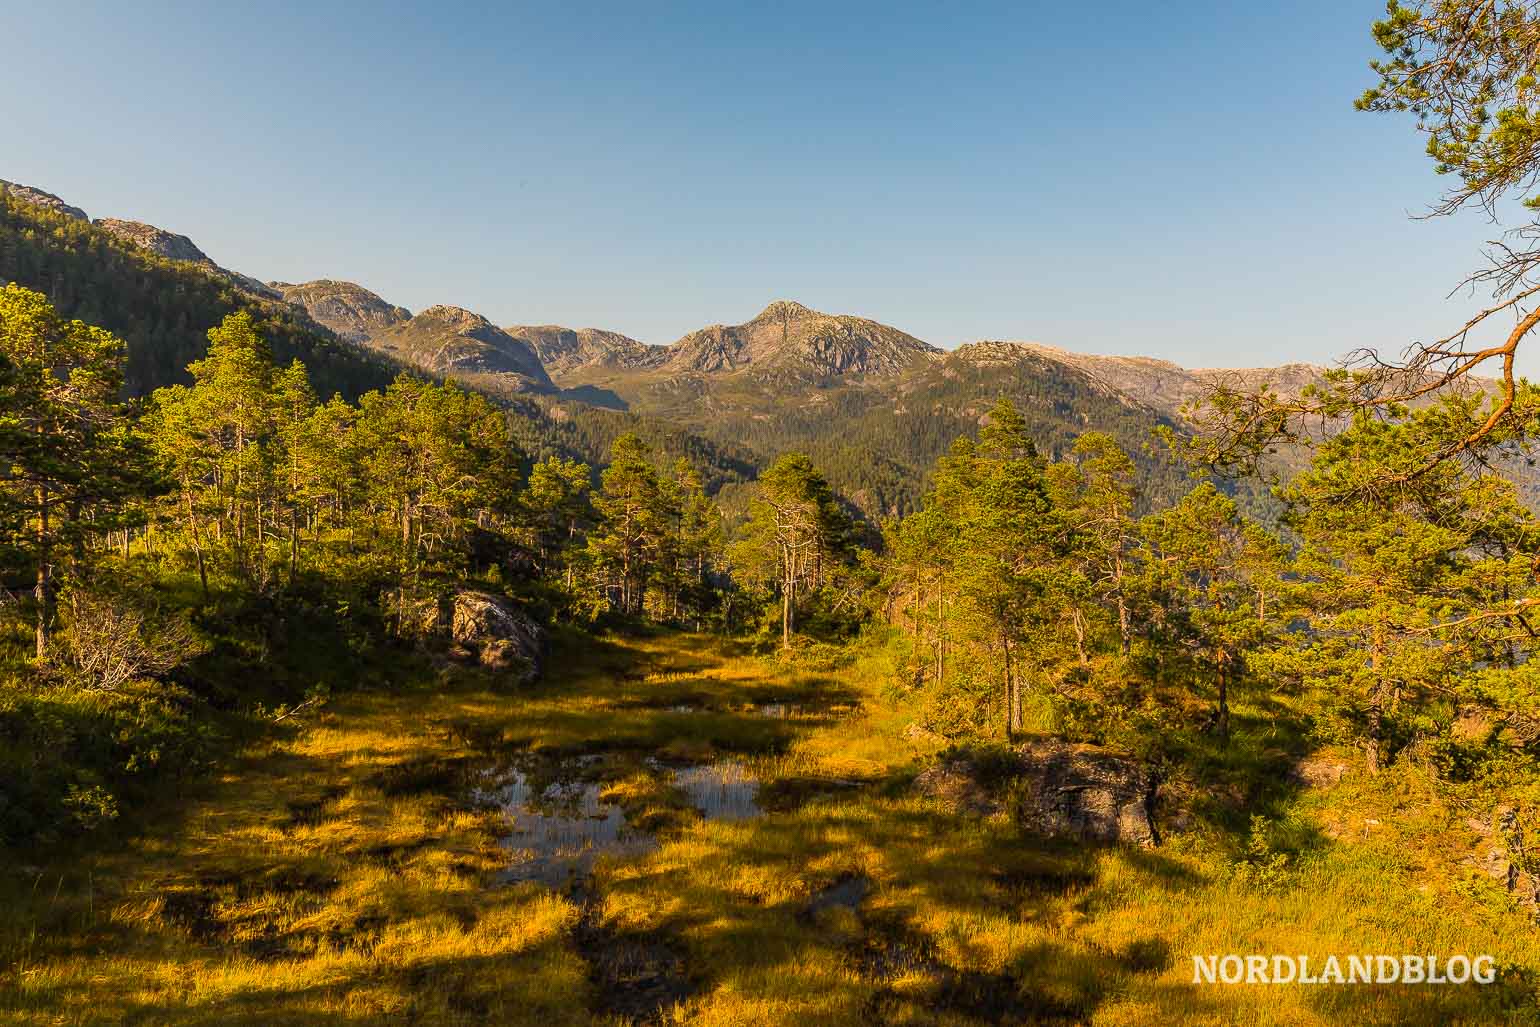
788	337
565	350
498	635
1503	856
172	246
1055	789
1319	772
454	341
157	240
38	198
350	311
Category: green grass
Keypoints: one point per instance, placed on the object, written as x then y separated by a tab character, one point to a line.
335	873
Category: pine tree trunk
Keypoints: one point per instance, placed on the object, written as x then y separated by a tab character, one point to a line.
1374	750
293	544
1012	700
43	593
1222	721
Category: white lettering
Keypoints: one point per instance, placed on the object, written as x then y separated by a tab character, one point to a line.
1204	969
1388	969
1458	969
1331	973
1230	969
1488	975
1359	971
1256	969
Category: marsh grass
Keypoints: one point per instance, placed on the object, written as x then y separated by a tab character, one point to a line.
340	871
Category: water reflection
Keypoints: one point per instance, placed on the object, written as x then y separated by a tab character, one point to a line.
560	825
724	790
560	828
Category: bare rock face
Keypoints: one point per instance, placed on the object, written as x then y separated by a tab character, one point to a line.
1060	790
499	634
454	341
172	246
958	783
565	350
1319	773
38	198
787	336
157	240
350	311
1082	791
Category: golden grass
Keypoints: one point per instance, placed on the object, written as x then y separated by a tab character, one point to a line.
335	875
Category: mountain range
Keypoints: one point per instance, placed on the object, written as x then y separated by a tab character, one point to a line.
871	403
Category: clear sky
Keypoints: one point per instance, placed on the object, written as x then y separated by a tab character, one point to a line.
1186	180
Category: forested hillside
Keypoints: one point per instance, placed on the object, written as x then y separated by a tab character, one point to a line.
877	439
161	308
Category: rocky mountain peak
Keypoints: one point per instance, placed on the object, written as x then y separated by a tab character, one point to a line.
157	240
454	341
457	319
780	310
788	338
349	310
567	350
39	198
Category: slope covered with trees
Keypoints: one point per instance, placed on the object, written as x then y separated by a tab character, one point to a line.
161	308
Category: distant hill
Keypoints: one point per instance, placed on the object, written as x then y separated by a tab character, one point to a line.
161	306
790	338
456	342
350	311
872	404
567	350
39	198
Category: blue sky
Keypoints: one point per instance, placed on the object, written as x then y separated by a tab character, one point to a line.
1184	180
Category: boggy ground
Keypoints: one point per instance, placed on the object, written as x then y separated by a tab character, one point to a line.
356	869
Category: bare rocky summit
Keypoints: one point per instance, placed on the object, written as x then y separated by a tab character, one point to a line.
172	246
39	198
564	350
157	240
1156	383
454	341
350	311
786	336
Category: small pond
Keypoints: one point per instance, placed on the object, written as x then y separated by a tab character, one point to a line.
559	825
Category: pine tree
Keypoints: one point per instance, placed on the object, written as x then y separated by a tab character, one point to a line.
634	513
1098	492
797	528
1211	572
71	458
557	510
